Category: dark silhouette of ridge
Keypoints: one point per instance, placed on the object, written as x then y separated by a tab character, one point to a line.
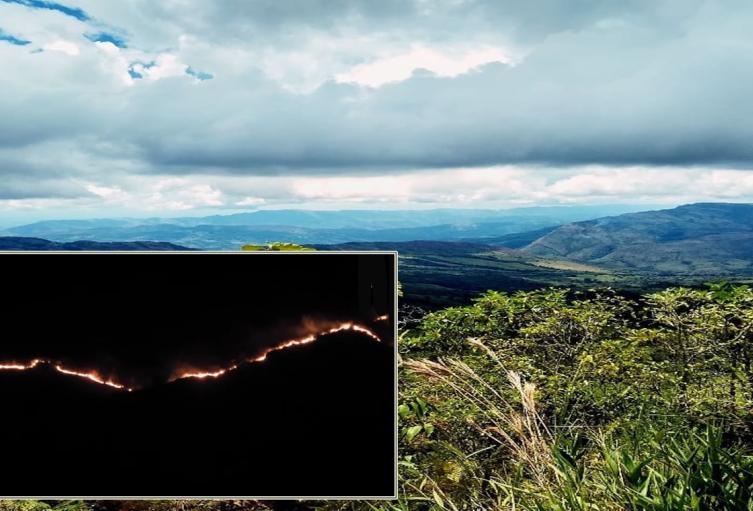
23	243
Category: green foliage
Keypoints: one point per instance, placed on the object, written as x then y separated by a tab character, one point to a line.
23	505
277	247
647	470
414	415
622	404
133	505
34	505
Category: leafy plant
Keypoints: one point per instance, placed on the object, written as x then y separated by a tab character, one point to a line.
552	400
277	247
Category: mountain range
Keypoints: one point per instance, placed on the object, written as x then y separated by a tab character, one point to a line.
446	263
686	245
696	240
230	232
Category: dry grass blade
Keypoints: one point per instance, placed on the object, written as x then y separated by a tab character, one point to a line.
516	424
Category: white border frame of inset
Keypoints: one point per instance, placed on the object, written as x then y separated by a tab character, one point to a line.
315	253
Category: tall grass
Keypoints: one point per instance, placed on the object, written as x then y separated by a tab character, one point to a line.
578	468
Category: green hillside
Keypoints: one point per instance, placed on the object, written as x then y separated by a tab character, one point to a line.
692	241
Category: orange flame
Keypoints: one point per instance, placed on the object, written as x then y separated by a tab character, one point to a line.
95	377
202	375
282	346
92	376
13	366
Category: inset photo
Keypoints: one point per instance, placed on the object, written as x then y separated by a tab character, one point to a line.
194	374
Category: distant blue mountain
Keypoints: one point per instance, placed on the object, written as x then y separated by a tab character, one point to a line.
309	227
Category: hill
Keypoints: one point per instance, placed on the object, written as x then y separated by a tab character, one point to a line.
696	241
25	243
516	239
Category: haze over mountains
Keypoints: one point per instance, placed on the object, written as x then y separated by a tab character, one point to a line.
474	251
229	232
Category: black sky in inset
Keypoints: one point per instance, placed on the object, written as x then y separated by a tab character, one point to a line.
139	317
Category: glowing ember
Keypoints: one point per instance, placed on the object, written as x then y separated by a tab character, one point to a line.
92	376
21	367
282	346
95	377
384	317
201	376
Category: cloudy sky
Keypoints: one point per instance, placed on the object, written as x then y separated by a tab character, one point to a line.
189	106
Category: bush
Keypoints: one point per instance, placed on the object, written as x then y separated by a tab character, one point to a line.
562	401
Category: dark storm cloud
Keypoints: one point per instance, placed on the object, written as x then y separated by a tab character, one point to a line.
20	189
549	110
435	20
27	178
239	18
610	83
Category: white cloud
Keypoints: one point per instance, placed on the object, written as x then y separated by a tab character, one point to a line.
487	187
165	66
250	201
512	185
399	67
353	189
106	192
625	181
177	194
115	62
155	194
60	45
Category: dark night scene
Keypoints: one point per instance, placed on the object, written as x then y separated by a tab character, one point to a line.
198	374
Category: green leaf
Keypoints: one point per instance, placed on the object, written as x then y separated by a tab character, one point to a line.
411	432
438	499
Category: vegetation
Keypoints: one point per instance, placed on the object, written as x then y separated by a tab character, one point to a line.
554	400
136	505
277	247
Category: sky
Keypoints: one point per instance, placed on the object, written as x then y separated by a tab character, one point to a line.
184	107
